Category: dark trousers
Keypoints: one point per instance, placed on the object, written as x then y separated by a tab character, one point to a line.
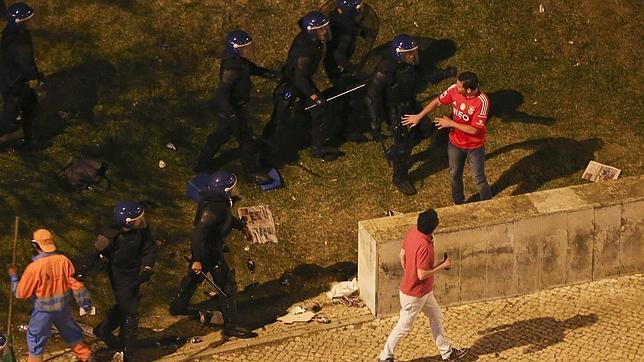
342	108
125	313
19	100
229	126
223	276
405	139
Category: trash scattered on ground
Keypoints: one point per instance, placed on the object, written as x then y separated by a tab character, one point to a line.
285	282
349	301
392	213
313	306
162	164
23	327
250	264
171	146
194	340
542	9
305	316
260	223
321	318
157	330
246	248
596	171
343	289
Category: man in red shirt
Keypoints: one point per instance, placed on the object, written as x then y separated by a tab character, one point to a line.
470	109
416	289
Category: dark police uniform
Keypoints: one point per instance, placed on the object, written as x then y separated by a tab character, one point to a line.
342	73
213	223
128	257
391	93
18	67
303	60
231	98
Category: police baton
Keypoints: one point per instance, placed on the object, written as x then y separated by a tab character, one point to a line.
212	282
338	95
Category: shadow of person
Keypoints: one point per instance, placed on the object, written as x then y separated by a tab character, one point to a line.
261	304
434	158
73	93
554	157
504	104
534	334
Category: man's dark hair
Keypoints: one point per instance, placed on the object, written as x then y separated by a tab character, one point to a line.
427	221
469	80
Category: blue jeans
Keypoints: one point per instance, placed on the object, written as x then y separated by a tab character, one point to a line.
39	330
476	158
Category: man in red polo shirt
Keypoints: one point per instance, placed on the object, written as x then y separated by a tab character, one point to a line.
470	109
416	289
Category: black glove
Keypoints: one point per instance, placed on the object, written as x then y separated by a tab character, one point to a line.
144	275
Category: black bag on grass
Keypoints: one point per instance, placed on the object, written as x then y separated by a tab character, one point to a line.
83	174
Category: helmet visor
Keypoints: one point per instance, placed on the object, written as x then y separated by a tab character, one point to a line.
410	56
137	223
246	51
321	33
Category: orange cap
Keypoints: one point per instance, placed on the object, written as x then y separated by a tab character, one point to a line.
45	240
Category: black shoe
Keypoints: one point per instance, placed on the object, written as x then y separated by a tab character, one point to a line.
326	153
239	332
405	187
456	354
356	137
107	337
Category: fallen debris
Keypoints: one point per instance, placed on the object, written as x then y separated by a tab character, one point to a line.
343	289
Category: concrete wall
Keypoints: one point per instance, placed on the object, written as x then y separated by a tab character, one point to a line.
513	245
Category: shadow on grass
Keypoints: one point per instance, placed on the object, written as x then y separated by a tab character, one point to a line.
504	105
534	334
554	157
74	91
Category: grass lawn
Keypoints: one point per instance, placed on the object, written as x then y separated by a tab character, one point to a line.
566	85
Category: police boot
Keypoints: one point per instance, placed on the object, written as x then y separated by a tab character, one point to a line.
401	173
179	303
129	334
104	330
356	137
326	153
405	186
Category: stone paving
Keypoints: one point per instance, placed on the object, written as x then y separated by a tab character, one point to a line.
602	320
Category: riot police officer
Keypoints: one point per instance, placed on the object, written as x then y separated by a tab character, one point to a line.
17	69
231	98
391	93
346	27
128	252
303	61
213	223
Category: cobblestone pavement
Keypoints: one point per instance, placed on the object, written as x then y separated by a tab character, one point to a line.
602	320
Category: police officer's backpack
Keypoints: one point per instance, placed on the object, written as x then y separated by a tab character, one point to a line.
85	174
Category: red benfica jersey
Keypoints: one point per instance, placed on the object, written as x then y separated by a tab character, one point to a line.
473	111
